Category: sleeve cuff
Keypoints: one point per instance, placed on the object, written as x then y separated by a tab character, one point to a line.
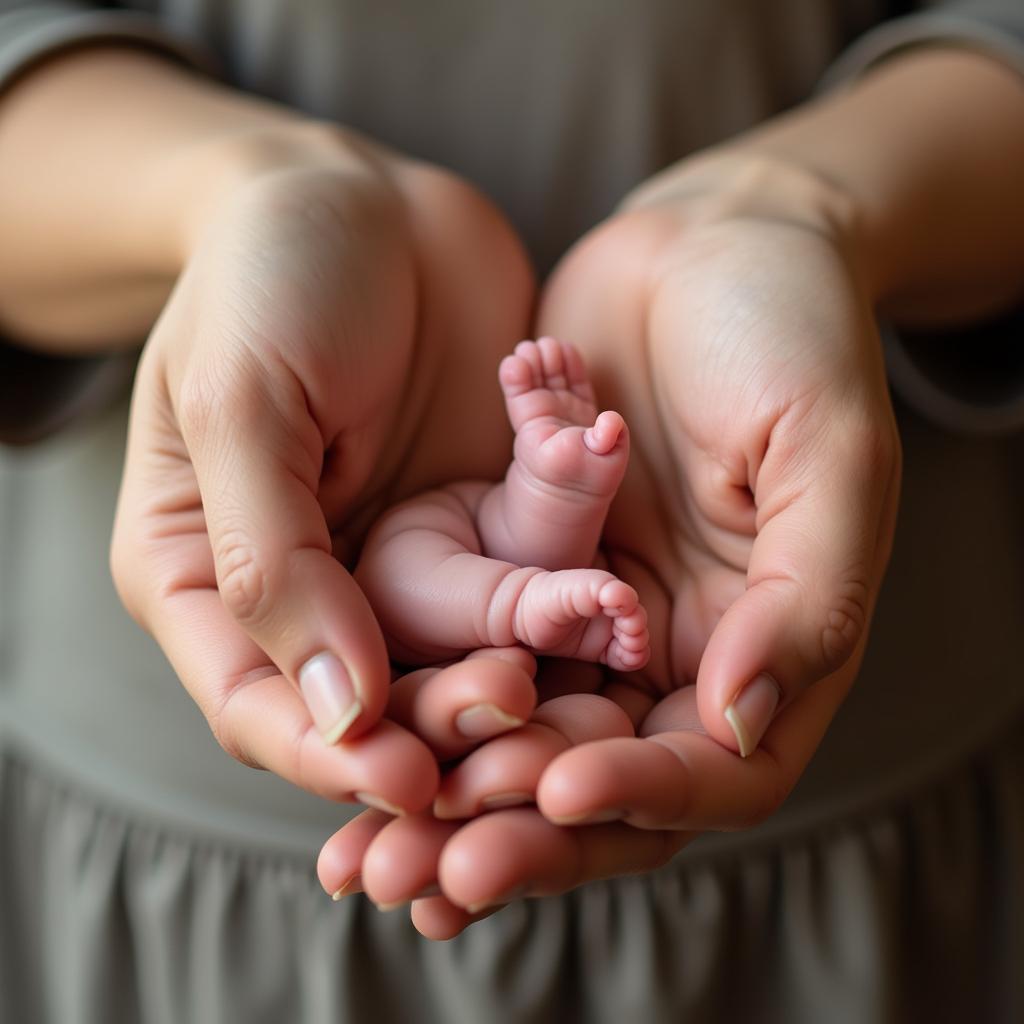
970	381
40	393
989	28
34	33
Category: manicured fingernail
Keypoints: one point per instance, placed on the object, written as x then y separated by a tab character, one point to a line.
500	800
372	800
328	692
751	712
591	817
484	720
354	884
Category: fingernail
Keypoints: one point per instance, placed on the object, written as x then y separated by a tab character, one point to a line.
443	810
751	712
484	720
591	817
329	695
354	884
506	897
372	800
433	889
500	800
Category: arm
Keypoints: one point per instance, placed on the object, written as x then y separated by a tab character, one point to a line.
111	161
915	166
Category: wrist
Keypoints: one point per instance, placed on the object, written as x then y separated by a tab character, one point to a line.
149	153
737	184
924	151
202	181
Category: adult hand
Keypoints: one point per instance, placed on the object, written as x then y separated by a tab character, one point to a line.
729	324
317	361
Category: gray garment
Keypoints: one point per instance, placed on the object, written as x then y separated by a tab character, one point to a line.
145	875
914	912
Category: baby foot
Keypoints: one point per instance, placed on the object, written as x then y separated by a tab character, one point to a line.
586	614
568	464
561	442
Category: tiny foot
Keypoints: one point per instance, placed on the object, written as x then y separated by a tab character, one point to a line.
563	449
583	613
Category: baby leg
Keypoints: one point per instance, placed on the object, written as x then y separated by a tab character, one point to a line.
568	463
436	596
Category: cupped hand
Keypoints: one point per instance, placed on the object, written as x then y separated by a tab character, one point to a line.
728	324
317	361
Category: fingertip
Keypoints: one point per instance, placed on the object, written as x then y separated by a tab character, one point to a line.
340	859
439	919
513	372
518	656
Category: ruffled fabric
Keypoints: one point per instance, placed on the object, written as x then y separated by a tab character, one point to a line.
913	911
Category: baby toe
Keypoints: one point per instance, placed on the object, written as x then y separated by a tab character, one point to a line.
515	375
618	598
633	641
604	435
622	660
529	351
553	360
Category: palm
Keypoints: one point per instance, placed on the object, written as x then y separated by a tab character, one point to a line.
744	341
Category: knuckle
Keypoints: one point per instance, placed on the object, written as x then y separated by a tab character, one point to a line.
226	389
242	579
227	739
845	621
196	405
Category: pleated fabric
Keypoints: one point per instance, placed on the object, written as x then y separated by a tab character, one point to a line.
910	911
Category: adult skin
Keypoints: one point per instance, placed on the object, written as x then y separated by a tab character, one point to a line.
727	310
324	310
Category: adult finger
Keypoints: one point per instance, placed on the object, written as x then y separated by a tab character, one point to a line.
679	777
257	715
257	454
456	708
826	495
517	852
400	862
340	863
505	772
436	917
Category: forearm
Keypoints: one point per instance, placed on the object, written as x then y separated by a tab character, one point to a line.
110	162
924	155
